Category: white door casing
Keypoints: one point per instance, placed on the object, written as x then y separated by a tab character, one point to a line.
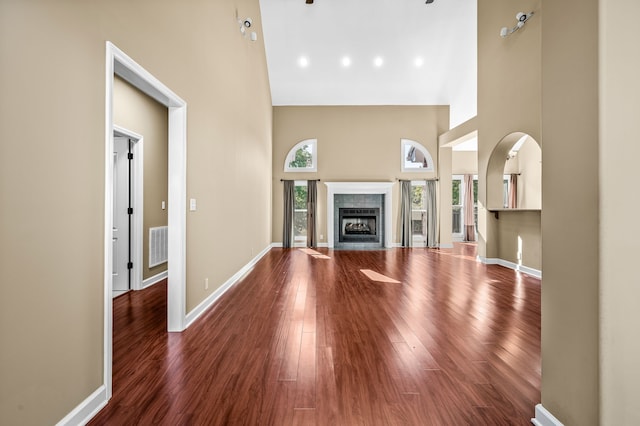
120	64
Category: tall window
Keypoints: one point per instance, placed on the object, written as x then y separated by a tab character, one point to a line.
418	211
300	211
302	157
475	202
505	191
457	197
456	206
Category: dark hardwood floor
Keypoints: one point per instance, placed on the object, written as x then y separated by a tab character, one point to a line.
310	341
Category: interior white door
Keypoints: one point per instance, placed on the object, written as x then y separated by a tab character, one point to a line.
121	223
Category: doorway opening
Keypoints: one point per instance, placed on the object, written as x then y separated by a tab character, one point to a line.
121	65
128	211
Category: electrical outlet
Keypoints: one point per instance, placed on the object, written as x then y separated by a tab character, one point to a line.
321	236
206	283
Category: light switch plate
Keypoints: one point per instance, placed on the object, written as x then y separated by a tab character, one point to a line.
192	204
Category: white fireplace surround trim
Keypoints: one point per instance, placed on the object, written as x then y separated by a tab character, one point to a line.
384	188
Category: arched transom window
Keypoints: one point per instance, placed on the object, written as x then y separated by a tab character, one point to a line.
415	157
303	157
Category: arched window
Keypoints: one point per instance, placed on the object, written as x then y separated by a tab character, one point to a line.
303	157
415	157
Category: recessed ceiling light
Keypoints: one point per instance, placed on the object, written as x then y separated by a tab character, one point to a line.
346	61
378	61
303	61
419	62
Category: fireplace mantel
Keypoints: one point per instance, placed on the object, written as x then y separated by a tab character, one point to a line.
384	188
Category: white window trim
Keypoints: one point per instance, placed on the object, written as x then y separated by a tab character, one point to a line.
300	238
505	190
458	237
455	236
422	149
292	154
418	238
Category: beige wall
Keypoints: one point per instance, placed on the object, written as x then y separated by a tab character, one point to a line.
464	162
512	165
530	179
519	233
509	99
528	165
619	196
137	112
52	110
570	218
355	143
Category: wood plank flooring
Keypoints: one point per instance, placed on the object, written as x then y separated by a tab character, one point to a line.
303	340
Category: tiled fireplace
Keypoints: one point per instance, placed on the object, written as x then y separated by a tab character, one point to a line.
359	214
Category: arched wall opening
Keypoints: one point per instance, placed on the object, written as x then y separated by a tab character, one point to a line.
516	228
525	161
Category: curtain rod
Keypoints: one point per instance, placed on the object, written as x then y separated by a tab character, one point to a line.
317	180
434	179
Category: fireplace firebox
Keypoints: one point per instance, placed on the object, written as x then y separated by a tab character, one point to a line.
359	225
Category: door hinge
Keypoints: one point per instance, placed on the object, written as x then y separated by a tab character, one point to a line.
130	265
130	156
130	210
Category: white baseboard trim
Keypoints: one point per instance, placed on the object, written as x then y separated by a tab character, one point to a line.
86	409
154	279
521	268
545	418
206	303
298	245
420	245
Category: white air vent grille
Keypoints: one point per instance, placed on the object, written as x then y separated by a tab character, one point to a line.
157	245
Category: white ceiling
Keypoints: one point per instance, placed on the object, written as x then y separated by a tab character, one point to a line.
468	145
442	34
